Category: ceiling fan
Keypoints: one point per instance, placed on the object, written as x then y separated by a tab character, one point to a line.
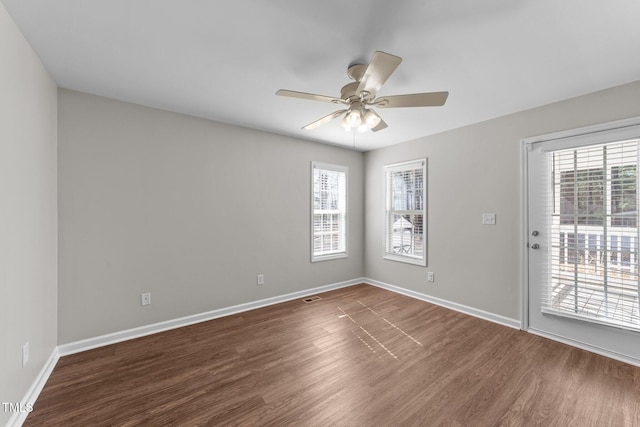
360	95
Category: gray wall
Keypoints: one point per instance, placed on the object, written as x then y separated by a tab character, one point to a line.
187	209
190	210
28	217
472	170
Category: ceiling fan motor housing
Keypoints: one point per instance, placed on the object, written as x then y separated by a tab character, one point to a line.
348	92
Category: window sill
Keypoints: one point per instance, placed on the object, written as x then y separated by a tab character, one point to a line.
407	260
329	257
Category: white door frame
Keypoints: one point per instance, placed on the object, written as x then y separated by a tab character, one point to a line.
525	145
524	251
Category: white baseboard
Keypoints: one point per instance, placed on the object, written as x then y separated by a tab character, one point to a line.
18	418
495	318
593	349
115	337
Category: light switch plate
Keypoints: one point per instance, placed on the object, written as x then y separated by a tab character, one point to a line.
489	219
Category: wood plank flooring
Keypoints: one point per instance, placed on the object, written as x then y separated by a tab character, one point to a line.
359	356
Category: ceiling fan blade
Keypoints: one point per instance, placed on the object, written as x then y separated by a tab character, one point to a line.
382	65
309	96
326	119
431	99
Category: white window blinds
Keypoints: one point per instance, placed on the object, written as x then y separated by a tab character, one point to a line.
328	211
592	215
405	225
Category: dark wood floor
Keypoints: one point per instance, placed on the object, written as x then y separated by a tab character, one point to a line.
360	356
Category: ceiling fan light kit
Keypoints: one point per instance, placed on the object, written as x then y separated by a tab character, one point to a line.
363	119
360	95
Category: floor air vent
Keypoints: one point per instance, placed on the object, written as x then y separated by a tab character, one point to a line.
312	299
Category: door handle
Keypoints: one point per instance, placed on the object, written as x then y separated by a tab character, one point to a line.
535	246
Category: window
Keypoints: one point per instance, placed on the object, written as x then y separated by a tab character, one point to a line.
582	196
328	211
405	223
623	196
593	215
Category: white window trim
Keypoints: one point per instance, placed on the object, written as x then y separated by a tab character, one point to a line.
408	259
336	255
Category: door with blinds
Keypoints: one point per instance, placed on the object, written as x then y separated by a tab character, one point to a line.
583	238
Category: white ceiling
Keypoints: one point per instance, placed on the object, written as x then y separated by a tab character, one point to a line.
225	59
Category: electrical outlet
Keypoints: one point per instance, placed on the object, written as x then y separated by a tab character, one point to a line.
25	354
431	276
260	279
145	299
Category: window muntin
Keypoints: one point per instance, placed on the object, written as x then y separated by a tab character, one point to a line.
405	213
328	211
